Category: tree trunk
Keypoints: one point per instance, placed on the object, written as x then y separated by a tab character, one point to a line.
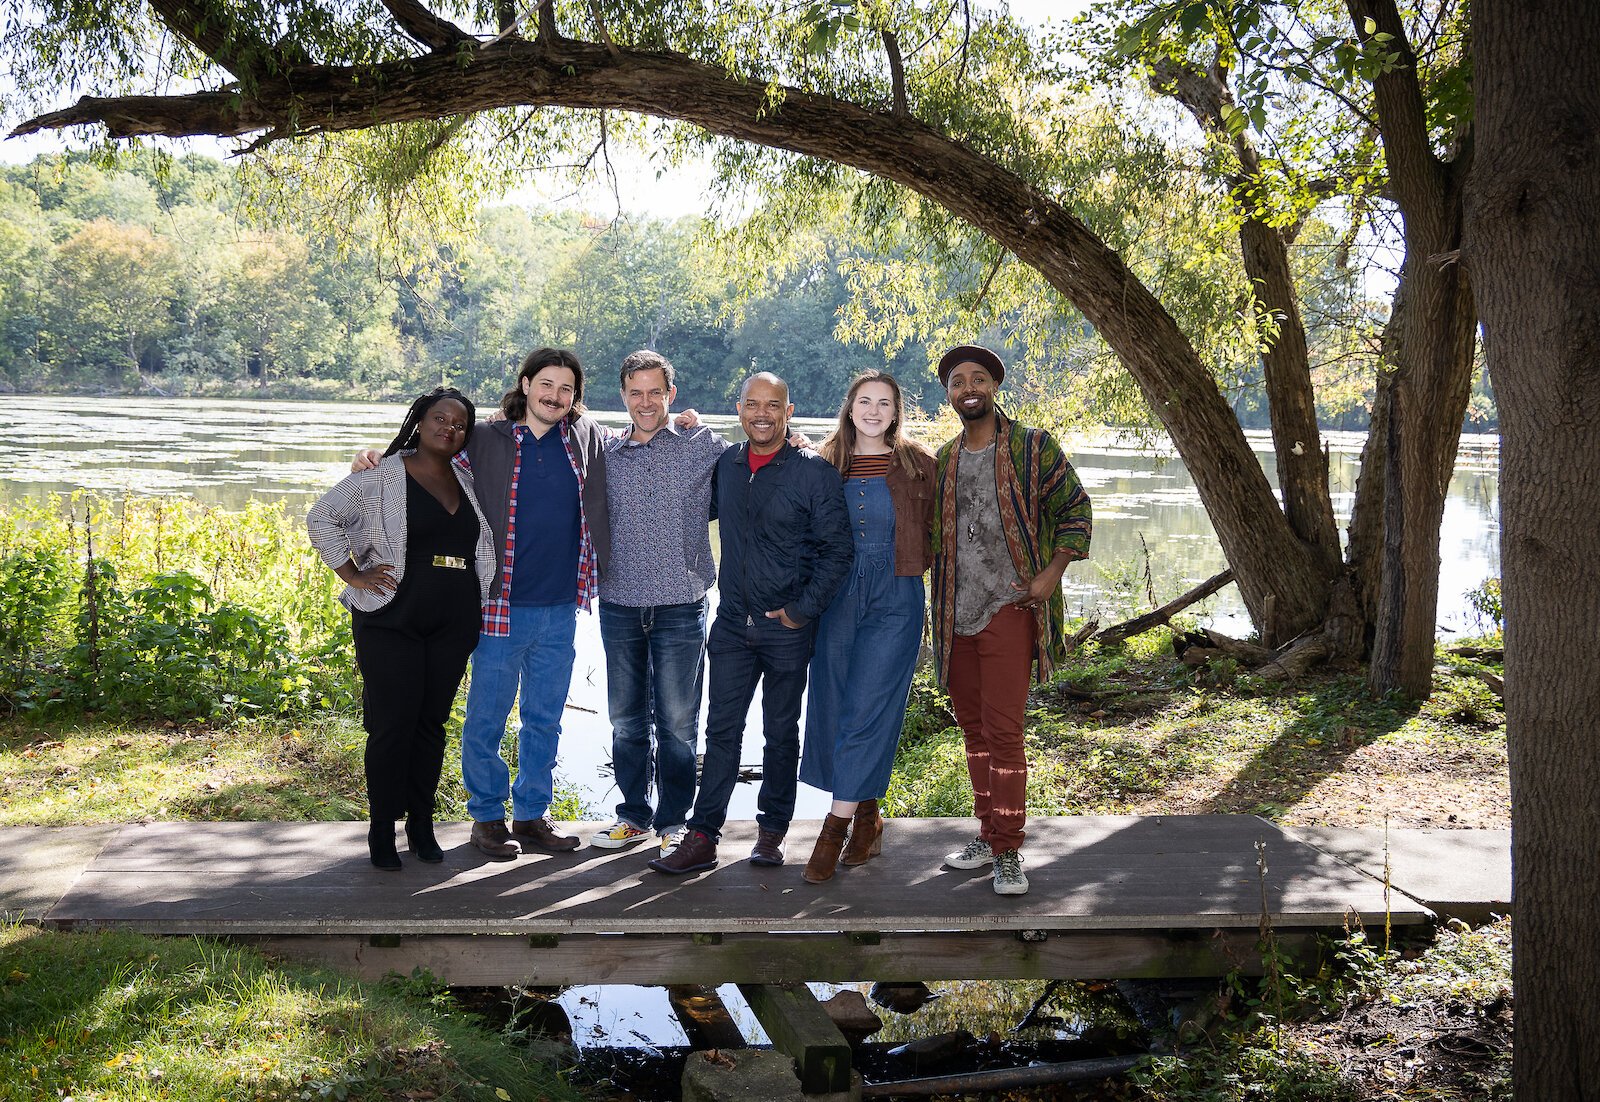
1430	345
1291	400
1533	221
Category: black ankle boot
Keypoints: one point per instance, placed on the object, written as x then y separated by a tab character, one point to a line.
380	845
419	836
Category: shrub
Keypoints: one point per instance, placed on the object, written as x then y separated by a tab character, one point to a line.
166	609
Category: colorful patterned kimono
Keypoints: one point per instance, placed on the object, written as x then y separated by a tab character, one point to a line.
1044	510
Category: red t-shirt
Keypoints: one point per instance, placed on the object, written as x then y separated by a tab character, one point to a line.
759	461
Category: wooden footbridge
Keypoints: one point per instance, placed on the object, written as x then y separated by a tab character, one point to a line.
1111	897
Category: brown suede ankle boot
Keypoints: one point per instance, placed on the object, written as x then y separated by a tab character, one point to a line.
826	854
866	835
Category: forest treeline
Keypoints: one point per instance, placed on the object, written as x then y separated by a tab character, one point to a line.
149	275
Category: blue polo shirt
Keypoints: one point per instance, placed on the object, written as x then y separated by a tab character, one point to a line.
545	569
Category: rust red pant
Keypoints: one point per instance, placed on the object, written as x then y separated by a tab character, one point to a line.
988	680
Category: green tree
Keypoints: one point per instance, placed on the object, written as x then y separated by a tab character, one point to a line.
24	259
108	301
279	325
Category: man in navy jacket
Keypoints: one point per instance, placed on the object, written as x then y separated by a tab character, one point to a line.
786	549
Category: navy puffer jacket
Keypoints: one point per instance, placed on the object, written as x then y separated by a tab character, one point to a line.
785	534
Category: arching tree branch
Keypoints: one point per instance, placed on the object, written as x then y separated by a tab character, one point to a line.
1271	560
426	27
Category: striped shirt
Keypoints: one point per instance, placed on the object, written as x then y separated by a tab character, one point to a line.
869	466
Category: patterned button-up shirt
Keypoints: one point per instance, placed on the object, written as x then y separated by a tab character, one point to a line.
658	495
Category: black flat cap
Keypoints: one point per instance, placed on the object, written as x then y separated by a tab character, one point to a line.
970	353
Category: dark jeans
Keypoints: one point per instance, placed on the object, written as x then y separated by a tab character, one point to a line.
408	682
655	673
740	655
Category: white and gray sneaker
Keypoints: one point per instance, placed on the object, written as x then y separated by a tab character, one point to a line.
670	839
618	835
1008	878
974	855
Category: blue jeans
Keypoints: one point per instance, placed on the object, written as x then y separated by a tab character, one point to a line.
655	670
539	654
740	655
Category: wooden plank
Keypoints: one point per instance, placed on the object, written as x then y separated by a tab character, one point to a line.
706	1021
799	1027
1093	872
501	960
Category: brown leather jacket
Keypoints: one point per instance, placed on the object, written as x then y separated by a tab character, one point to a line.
913	516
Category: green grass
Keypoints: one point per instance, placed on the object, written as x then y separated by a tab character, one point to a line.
99	771
1130	730
117	1016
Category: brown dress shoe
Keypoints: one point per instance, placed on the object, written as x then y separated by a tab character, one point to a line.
542	834
491	840
768	849
696	852
866	835
825	856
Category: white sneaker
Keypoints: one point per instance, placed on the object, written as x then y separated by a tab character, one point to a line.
1008	878
670	839
618	835
975	855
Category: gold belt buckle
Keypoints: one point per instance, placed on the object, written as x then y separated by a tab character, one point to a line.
454	562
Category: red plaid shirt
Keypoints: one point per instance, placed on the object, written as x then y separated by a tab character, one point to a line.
497	612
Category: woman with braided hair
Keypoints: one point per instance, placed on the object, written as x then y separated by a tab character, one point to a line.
416	555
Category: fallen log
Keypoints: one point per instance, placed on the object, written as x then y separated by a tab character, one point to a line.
1116	633
1468	650
1248	653
1296	659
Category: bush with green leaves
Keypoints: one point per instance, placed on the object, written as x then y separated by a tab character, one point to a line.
166	609
1485	601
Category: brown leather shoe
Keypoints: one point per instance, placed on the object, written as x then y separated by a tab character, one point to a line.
541	833
696	852
768	849
491	840
866	835
825	856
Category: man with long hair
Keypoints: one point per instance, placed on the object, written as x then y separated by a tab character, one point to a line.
544	464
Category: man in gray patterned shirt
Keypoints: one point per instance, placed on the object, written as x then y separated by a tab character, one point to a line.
653	603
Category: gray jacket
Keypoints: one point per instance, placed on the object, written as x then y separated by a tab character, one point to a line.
363	520
492	452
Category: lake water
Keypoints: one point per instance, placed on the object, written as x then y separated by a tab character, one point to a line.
227	452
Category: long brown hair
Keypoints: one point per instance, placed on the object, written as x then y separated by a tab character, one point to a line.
841	442
514	404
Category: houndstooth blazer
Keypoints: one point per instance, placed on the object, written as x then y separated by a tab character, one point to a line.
363	520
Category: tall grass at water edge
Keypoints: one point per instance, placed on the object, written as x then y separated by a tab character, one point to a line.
161	608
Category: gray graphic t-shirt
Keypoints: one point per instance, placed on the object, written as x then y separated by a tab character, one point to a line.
984	574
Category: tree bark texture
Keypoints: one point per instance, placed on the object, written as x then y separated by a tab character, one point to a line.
1429	349
1286	367
1533	220
1277	576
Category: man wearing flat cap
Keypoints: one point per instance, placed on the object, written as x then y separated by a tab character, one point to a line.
1011	515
